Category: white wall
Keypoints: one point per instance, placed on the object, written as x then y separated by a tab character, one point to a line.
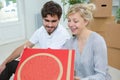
32	7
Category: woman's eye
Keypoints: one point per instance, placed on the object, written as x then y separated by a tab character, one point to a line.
69	20
76	21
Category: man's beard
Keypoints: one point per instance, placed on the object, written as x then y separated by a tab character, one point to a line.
49	30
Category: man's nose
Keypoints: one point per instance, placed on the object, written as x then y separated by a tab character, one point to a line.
50	23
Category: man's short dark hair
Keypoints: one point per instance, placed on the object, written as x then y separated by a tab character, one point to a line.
51	8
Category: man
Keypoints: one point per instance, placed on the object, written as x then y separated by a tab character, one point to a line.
50	35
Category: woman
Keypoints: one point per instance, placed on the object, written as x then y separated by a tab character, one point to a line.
91	52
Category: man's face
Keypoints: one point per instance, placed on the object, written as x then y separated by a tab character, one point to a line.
50	23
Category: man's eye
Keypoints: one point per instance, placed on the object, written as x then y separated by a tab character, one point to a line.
47	20
50	20
54	21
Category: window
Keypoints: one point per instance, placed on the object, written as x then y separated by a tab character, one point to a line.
12	27
8	10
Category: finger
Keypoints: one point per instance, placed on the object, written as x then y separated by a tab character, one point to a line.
76	78
25	46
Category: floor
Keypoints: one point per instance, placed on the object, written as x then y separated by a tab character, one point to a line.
12	78
113	72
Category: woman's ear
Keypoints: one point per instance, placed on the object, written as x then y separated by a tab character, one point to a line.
86	22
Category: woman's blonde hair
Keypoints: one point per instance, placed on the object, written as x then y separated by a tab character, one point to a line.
85	10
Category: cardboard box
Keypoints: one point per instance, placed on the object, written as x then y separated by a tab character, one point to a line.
114	57
102	33
103	21
99	24
97	28
112	35
103	8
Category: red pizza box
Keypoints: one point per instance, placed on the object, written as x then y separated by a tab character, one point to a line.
46	64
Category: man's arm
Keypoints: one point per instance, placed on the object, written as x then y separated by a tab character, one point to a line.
15	54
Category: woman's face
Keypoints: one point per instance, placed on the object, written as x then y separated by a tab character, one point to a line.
76	23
